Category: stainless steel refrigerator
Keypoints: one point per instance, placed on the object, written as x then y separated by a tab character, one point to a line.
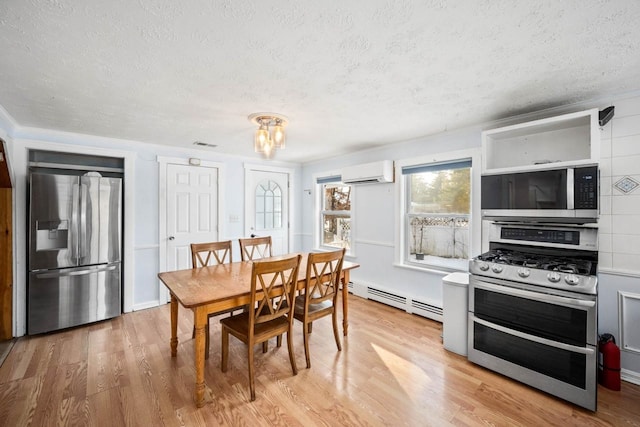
74	250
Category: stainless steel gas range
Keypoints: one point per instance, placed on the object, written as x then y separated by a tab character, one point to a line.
533	308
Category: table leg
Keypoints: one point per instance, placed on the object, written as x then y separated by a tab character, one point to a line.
345	302
200	322
174	326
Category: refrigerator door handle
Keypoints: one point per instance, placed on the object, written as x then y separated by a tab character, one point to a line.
75	196
76	272
82	245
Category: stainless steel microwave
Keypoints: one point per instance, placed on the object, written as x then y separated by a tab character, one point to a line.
568	194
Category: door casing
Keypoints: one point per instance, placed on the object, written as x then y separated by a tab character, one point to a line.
163	294
248	194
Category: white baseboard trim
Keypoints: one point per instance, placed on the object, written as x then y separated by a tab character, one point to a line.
145	305
630	376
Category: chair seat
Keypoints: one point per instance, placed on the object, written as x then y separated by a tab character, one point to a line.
239	326
313	308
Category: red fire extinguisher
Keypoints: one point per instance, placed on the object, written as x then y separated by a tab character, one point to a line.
609	362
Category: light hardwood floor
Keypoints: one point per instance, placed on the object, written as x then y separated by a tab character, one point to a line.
392	370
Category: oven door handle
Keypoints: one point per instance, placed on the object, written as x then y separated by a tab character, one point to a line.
540	340
572	302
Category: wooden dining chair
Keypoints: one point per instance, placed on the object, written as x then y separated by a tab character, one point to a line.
320	296
255	248
273	289
213	253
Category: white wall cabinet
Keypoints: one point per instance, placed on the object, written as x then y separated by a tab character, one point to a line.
570	139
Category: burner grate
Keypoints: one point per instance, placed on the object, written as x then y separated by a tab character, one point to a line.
560	264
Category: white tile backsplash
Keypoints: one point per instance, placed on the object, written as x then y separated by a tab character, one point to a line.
625	146
605	148
625	126
626	262
605	242
605	259
625	224
626	165
625	244
605	205
624	208
605	185
605	167
624	204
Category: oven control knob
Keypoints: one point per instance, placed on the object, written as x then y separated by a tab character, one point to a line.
524	272
553	277
496	268
484	266
572	279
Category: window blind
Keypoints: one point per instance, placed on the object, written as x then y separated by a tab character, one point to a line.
435	167
329	179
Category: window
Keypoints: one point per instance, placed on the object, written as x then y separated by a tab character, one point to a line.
268	205
335	213
437	214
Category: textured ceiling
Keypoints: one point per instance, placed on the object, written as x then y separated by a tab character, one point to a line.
348	74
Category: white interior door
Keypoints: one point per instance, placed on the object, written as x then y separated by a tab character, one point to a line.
192	211
267	207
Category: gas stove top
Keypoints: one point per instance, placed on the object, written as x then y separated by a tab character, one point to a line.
523	259
568	273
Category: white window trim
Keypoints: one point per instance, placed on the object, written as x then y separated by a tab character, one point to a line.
317	214
474	218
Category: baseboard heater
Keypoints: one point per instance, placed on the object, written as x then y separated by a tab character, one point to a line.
419	305
397	300
383	296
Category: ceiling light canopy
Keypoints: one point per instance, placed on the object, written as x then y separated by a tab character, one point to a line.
270	133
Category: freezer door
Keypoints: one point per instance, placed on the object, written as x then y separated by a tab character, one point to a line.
53	237
73	296
100	220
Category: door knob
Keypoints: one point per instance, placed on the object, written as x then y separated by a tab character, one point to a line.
171	237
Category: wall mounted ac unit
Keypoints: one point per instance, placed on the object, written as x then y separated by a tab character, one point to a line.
368	173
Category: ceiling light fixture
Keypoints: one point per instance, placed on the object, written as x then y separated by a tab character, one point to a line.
270	134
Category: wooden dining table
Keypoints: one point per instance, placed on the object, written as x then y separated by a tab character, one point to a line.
216	288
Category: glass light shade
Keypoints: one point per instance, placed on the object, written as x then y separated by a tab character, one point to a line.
278	136
260	140
268	148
